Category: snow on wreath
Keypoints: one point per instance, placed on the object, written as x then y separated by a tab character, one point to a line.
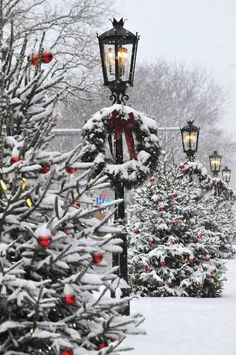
141	147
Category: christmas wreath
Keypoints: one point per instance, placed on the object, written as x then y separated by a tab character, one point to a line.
140	145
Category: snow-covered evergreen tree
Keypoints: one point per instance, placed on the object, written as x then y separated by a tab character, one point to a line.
53	297
170	252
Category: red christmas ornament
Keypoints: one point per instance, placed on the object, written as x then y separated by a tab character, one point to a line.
151	242
161	209
97	257
199	235
15	159
162	263
102	345
69	298
75	203
155	202
47	57
33	59
181	166
45	168
54	122
152	179
190	259
66	352
207	257
136	231
70	170
170	283
174	194
175	222
146	267
67	229
44	240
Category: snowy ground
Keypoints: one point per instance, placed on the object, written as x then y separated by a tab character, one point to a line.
189	326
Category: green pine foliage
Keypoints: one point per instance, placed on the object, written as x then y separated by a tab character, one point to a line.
173	251
55	283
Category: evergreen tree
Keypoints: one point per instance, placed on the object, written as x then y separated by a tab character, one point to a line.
170	252
53	297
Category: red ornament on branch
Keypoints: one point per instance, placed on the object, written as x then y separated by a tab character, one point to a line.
45	168
174	194
181	167
102	345
170	283
15	158
175	222
70	170
199	235
162	263
33	59
54	122
67	229
69	296
136	231
161	209
66	352
47	57
69	299
76	203
152	179
146	267
97	257
44	240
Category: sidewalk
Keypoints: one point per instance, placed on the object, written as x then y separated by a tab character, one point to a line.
189	326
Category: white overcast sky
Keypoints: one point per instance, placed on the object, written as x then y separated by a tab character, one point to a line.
196	32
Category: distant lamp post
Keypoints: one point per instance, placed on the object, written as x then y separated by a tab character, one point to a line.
190	136
215	163
118	49
226	174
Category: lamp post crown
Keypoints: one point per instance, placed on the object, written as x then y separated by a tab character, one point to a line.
118	32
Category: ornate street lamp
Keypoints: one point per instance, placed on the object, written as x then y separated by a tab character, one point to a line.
215	163
226	174
118	49
190	136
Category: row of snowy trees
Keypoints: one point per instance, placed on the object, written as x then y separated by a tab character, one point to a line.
181	227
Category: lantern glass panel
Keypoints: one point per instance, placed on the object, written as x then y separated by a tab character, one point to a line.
215	164
117	59
226	174
190	140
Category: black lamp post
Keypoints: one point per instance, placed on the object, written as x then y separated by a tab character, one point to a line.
190	136
215	163
226	174
118	49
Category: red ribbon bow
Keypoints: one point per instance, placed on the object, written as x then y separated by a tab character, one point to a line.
119	124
